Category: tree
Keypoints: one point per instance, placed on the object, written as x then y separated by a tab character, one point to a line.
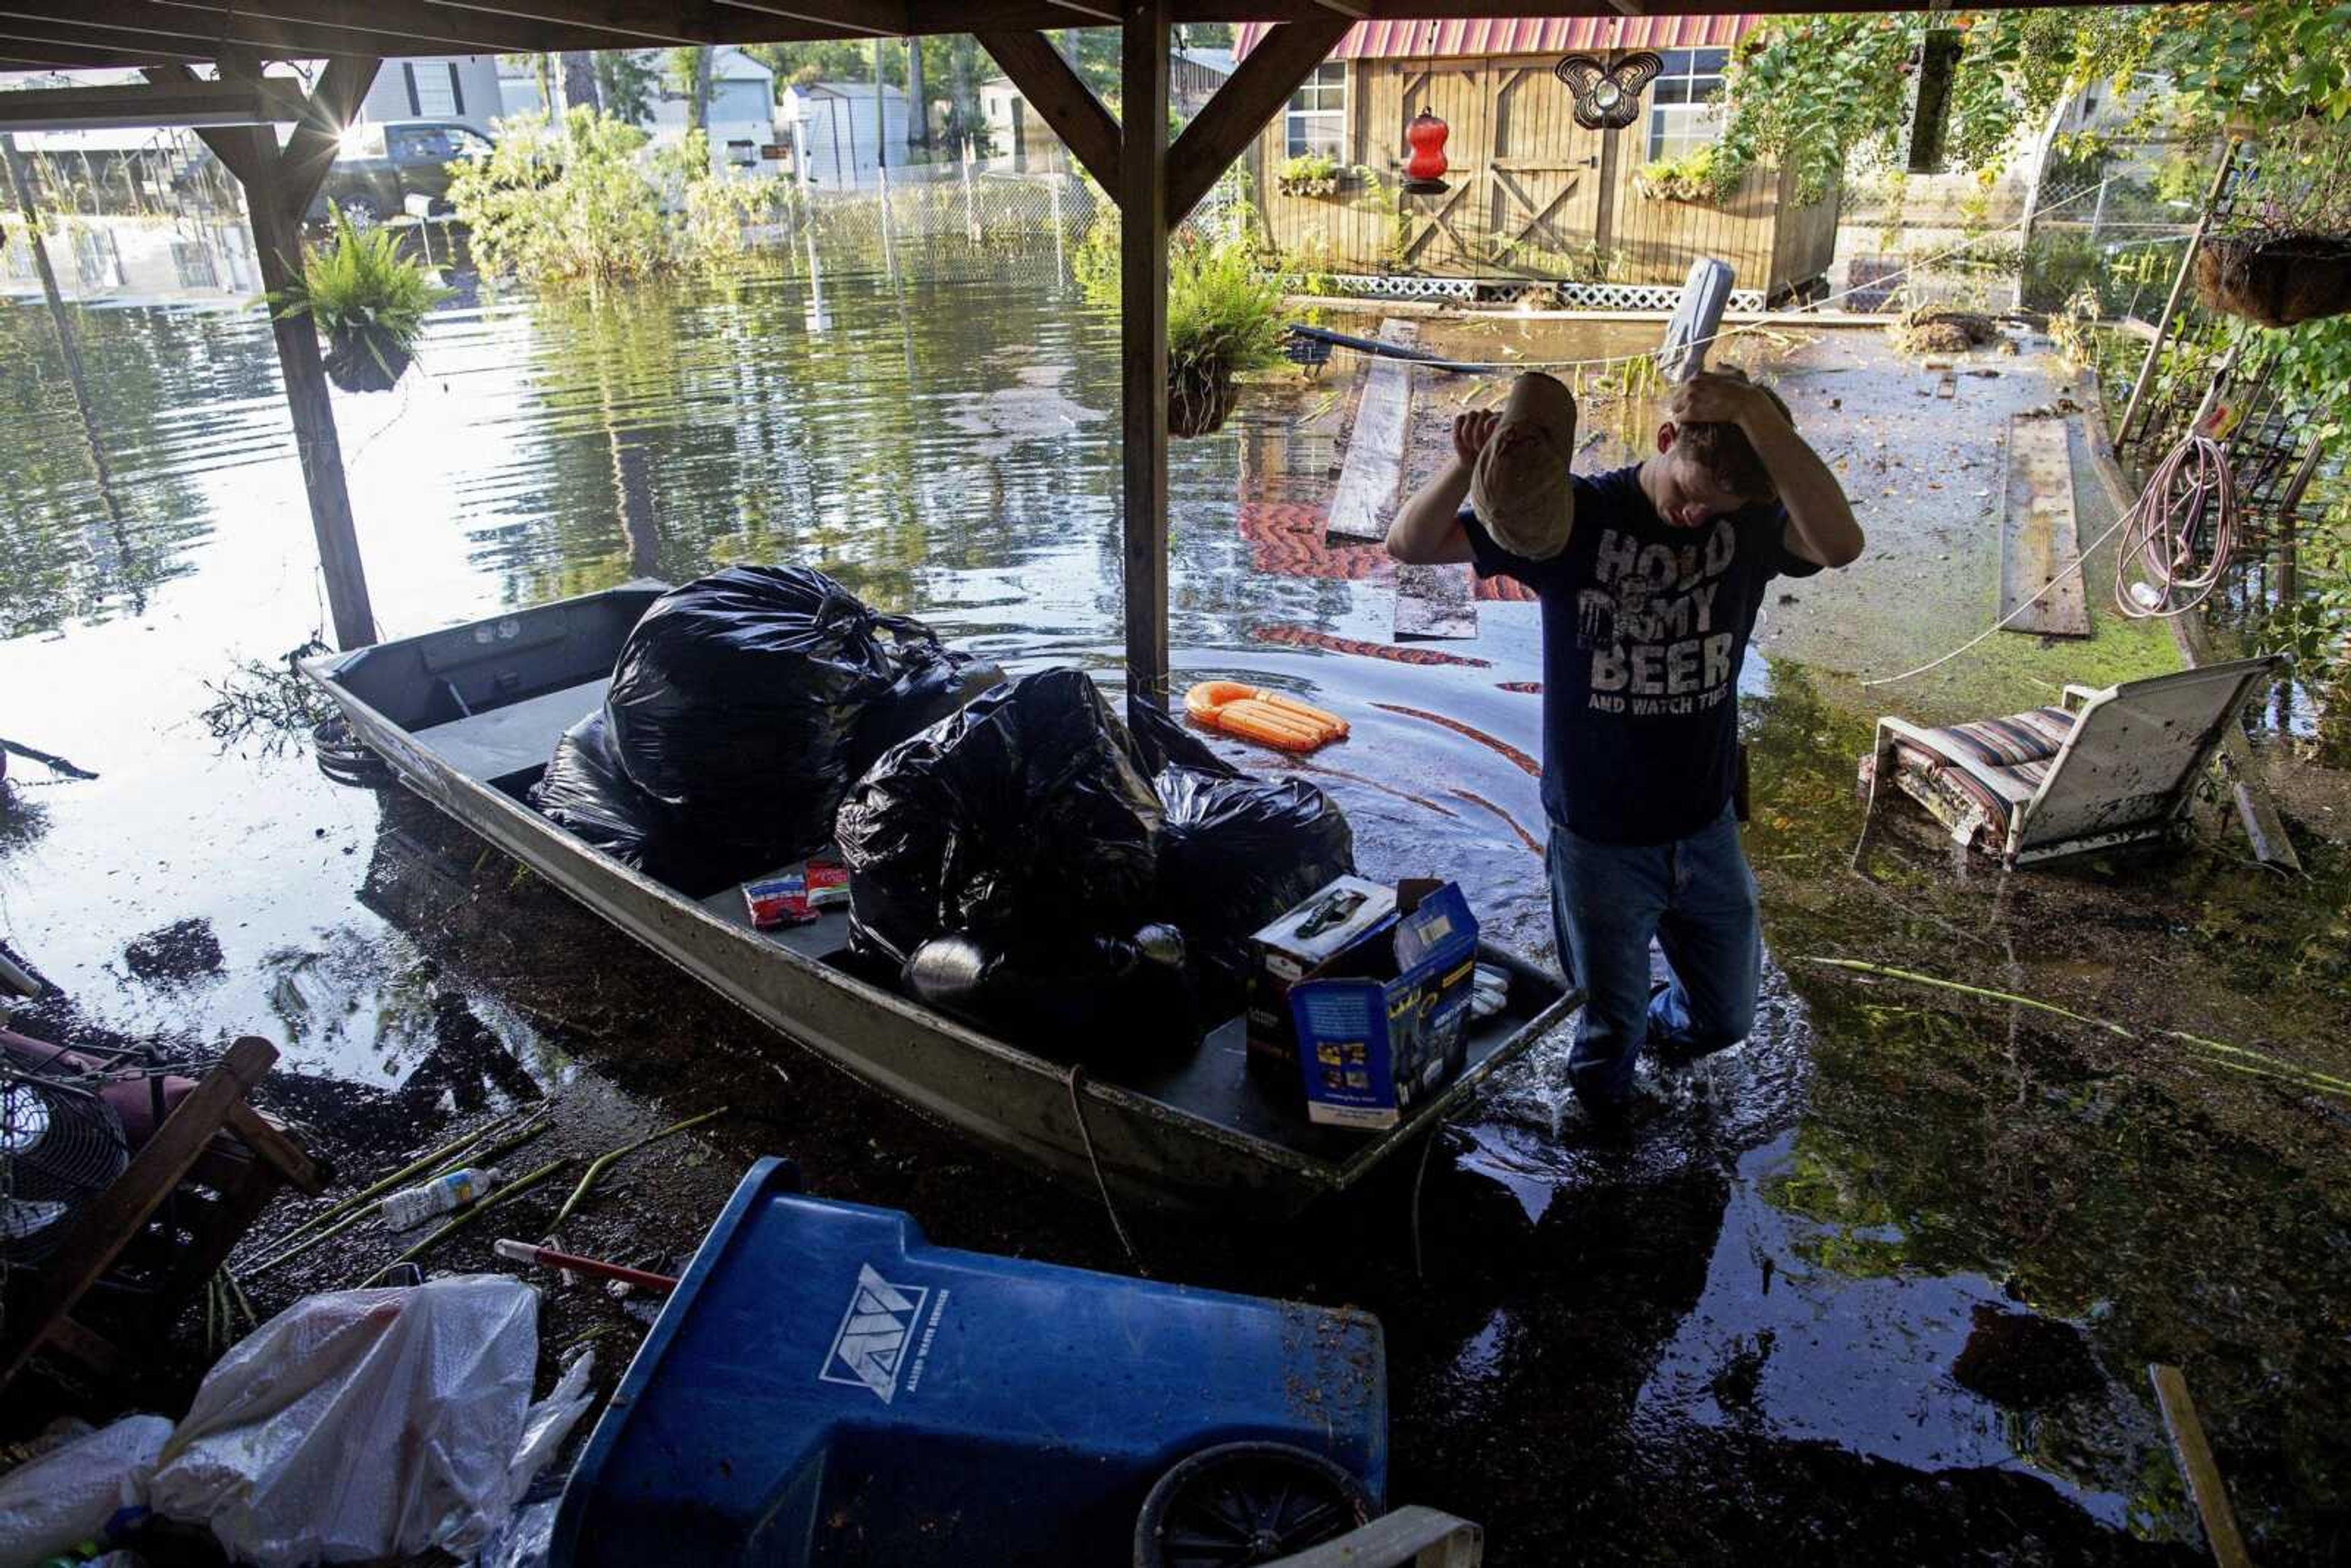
918	105
580	82
1811	92
626	83
542	69
689	68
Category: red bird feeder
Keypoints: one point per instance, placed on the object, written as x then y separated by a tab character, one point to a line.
1424	171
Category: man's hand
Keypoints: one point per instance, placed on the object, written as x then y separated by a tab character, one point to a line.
1710	399
1471	431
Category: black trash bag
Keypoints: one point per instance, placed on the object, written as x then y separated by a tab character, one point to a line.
584	792
1235	855
933	683
1092	1000
737	700
1025	816
1164	741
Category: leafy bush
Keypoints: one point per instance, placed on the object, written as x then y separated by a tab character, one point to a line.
564	205
362	284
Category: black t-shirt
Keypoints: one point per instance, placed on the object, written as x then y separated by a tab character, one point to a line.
1645	627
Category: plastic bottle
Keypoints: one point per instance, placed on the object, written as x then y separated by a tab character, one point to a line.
415	1205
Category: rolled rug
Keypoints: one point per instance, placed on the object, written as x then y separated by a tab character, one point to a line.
1519	485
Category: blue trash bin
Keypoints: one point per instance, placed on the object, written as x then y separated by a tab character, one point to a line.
825	1387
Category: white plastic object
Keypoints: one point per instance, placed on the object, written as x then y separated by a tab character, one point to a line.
369	1424
1696	318
415	1205
50	1505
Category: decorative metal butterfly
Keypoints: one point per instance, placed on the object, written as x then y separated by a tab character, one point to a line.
1608	98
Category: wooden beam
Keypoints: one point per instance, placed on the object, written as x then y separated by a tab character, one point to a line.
194	103
312	28
846	21
1065	102
1143	220
1251	96
20	53
318	141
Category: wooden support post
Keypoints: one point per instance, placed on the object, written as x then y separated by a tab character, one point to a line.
278	189
277	250
1143	332
2179	289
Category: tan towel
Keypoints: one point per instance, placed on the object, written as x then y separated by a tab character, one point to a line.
1518	485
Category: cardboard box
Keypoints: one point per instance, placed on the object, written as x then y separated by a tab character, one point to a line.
1383	1023
1284	954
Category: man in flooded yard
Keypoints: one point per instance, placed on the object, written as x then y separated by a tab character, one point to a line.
1650	578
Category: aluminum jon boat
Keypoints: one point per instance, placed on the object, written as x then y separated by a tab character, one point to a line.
467	716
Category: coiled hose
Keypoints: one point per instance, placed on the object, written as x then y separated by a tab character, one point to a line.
2180	535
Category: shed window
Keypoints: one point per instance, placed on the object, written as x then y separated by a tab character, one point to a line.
1680	115
1317	120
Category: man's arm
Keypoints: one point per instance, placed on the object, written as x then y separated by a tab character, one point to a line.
1427	528
1820	526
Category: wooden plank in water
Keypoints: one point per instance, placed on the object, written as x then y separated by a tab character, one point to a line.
1366	496
2194	1453
1433	601
2039	542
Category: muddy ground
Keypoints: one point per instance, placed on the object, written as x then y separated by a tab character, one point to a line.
1887	1291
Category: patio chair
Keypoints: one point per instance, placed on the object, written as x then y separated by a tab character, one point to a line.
2106	768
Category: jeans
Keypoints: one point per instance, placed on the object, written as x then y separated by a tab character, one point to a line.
1696	897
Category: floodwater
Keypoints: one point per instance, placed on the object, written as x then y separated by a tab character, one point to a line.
1889	1288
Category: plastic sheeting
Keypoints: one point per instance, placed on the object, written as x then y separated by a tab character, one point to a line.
52	1504
366	1424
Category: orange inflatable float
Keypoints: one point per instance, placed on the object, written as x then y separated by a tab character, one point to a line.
1255	713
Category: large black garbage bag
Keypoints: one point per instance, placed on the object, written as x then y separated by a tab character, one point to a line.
737	700
1236	852
1164	741
933	683
1025	816
585	793
1091	999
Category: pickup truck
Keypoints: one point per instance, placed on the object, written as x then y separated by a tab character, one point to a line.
381	165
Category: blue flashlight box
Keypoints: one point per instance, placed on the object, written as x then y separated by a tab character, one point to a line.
1385	1021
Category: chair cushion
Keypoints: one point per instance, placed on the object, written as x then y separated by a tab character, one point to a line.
1978	773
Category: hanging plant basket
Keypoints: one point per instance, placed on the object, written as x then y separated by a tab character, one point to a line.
1200	399
2277	281
365	358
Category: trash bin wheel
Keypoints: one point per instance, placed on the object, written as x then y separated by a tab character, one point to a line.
1239	1504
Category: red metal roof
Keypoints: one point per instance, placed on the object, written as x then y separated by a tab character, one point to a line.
1400	40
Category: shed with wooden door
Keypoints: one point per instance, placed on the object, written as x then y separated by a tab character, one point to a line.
1530	194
